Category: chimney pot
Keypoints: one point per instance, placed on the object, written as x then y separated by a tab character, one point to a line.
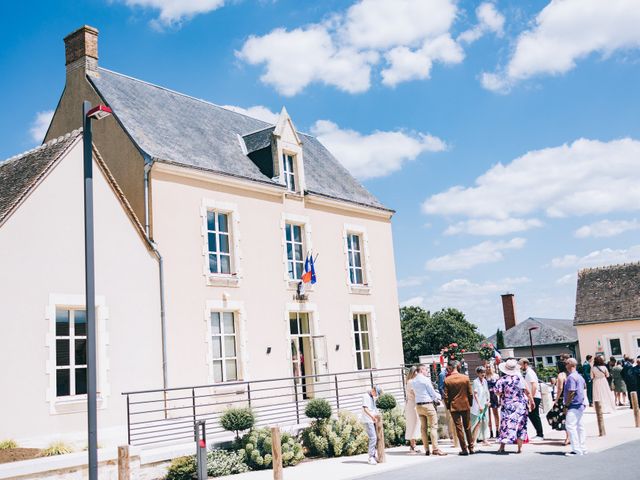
509	310
81	49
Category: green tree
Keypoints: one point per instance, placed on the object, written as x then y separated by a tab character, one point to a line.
424	333
500	339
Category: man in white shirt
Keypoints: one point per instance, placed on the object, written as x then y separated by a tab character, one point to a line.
370	417
534	386
426	395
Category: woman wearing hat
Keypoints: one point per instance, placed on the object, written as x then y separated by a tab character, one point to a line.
516	402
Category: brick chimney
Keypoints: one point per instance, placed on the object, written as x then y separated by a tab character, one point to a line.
509	309
81	50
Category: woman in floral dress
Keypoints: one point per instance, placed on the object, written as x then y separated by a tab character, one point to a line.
516	402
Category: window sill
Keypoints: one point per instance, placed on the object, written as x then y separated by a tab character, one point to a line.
214	280
230	389
293	285
294	195
360	289
76	404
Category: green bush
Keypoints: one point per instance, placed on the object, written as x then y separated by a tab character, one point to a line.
255	448
223	462
394	425
7	444
182	468
318	409
545	373
386	401
237	419
337	437
57	448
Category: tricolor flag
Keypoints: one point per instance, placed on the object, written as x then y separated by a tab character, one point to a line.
309	275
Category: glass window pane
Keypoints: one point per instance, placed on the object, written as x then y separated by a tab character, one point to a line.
304	322
289	251
224	243
298	252
616	348
366	357
62	352
225	264
81	381
293	325
228	326
287	231
213	263
298	270
216	347
359	361
215	323
357	262
297	233
364	324
349	242
80	321
359	279
356	242
63	382
291	270
212	242
229	346
356	326
365	341
62	322
231	370
81	352
357	338
223	224
211	221
352	276
217	371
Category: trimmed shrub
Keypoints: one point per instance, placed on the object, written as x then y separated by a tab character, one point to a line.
237	419
57	448
394	425
223	462
183	468
337	437
386	402
256	449
7	444
318	409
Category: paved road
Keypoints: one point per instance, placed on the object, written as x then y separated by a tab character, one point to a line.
619	463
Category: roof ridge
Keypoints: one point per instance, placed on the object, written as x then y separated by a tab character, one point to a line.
608	267
183	95
51	142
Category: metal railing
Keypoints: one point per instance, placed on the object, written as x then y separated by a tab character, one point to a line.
170	415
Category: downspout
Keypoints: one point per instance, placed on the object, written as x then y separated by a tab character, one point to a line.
163	323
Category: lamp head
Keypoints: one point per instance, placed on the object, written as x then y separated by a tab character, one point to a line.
99	112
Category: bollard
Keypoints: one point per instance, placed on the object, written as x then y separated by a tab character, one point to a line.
124	463
276	453
601	430
380	442
201	449
636	410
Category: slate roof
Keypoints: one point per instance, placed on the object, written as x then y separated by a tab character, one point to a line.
20	174
175	128
608	294
550	332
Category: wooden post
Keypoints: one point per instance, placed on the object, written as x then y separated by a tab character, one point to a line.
636	410
124	463
601	430
276	453
380	437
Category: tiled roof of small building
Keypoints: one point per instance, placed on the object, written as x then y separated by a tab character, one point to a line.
20	174
608	294
550	331
172	127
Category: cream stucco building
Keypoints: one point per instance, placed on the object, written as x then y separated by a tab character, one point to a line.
229	208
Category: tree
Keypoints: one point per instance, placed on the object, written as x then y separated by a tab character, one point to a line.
500	340
424	333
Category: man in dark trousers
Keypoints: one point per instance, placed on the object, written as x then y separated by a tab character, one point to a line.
458	397
628	376
586	374
531	378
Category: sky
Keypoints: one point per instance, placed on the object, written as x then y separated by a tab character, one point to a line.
505	133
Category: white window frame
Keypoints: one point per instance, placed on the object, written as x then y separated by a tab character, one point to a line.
307	246
635	348
365	259
351	253
360	334
374	340
224	356
607	345
295	266
551	363
290	177
77	403
242	352
234	278
71	338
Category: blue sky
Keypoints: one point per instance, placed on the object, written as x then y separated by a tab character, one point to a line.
505	133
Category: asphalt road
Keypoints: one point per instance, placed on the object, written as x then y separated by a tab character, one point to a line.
619	463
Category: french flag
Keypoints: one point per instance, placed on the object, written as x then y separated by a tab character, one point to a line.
309	275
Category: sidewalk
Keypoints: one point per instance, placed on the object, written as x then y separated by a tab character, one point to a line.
619	425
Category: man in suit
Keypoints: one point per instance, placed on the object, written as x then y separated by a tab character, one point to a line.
458	397
586	374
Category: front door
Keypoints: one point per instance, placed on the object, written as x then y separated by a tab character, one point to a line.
302	356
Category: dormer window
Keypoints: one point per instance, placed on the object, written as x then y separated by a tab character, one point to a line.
288	169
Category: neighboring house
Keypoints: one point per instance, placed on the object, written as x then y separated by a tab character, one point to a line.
608	310
550	337
42	319
233	206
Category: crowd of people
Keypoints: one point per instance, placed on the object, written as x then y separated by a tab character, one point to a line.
500	405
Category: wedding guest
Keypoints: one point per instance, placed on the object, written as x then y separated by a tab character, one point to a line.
574	388
480	408
628	376
515	401
601	390
426	396
370	417
556	416
586	374
458	397
412	429
619	386
533	384
494	415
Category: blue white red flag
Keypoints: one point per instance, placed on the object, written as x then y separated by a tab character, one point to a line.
309	275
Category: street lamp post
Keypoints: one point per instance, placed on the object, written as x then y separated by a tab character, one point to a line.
88	114
533	355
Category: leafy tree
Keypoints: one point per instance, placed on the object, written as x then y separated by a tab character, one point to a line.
424	333
500	339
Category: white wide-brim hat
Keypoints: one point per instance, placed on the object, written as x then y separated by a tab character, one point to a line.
510	367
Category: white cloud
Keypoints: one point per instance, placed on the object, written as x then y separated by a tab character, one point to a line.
568	279
173	12
482	253
40	125
489	20
414	281
598	258
607	228
585	177
567	31
413	302
492	226
257	111
376	154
